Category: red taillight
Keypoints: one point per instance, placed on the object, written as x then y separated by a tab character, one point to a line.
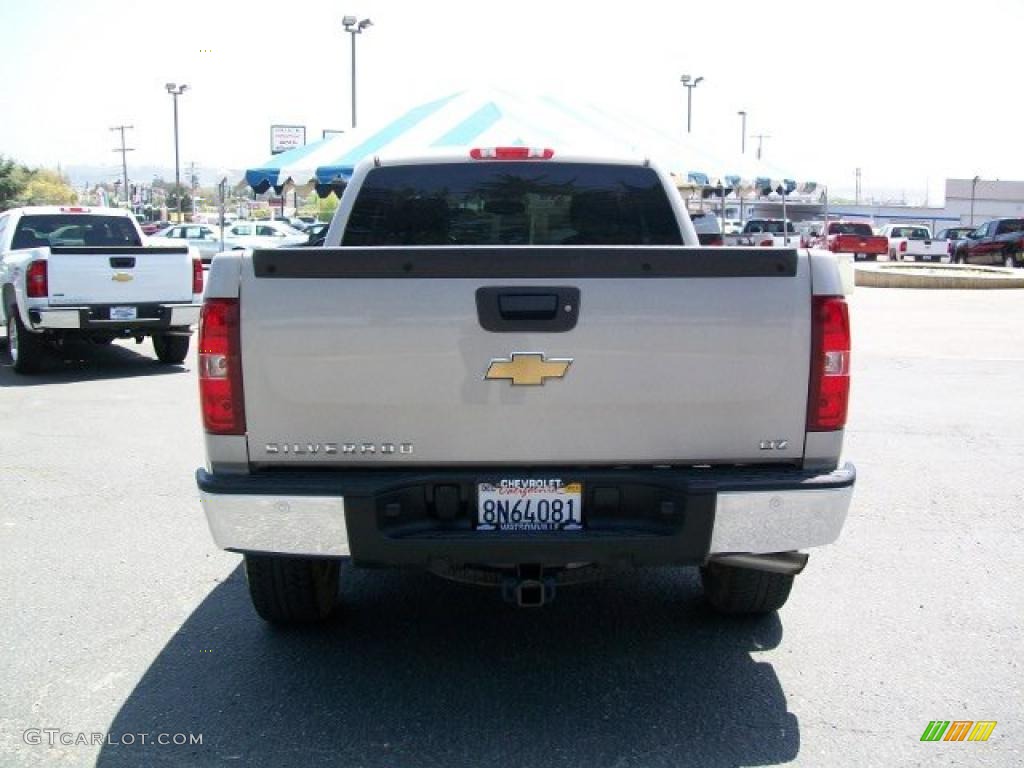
903	247
511	153
829	392
37	285
74	209
716	240
220	368
197	276
769	243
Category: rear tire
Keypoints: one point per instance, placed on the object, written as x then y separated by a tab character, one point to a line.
25	348
734	590
292	590
171	350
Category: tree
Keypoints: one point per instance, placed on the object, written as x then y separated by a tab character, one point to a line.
45	187
12	181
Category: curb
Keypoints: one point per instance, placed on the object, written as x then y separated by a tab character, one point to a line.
937	276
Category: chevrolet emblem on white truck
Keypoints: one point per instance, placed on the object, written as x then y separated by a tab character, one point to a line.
527	368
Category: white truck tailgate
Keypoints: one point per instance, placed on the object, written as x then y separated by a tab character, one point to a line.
129	275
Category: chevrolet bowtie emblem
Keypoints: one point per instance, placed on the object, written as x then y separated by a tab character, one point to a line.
122	277
528	368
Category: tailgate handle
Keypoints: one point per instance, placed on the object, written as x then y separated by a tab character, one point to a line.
122	262
528	306
543	309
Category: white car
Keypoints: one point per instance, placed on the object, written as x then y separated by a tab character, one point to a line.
261	234
204	237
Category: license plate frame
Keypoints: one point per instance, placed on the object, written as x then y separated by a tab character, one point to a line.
529	505
124	313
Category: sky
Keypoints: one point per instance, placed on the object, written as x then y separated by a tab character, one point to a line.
910	93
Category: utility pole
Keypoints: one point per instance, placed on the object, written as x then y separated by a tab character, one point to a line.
760	141
124	161
743	131
856	189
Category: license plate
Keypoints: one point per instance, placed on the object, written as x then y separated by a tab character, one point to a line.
520	504
124	313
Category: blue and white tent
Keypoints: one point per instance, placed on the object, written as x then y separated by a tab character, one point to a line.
494	118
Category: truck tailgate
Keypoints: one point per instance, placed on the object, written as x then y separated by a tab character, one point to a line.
678	355
119	275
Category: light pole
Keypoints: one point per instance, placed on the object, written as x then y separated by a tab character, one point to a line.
974	184
743	131
354	28
760	140
176	91
689	83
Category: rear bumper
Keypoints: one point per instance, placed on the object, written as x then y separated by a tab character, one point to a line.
97	318
632	517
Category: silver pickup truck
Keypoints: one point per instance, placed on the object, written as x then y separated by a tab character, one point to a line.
519	369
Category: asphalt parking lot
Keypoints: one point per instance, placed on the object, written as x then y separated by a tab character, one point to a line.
119	617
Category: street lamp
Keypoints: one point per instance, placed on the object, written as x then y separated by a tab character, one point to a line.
354	28
689	84
974	184
176	91
743	132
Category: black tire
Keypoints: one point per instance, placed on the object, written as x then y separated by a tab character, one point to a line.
292	590
171	350
25	348
734	590
961	258
103	341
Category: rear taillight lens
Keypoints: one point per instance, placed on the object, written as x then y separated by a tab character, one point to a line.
829	392
767	243
197	276
903	247
716	240
220	368
37	285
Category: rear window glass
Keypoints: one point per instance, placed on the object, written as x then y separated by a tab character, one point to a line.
512	203
769	226
912	233
850	228
70	229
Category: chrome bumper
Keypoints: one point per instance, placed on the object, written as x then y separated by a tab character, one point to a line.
72	318
784	519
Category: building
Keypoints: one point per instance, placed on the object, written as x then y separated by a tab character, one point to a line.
973	201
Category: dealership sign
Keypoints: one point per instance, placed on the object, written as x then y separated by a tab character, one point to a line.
285	137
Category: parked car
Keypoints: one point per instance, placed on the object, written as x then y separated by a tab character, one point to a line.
768	232
953	236
1000	241
204	237
152	227
913	242
316	233
708	230
263	234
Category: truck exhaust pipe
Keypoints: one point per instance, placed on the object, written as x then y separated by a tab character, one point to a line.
780	562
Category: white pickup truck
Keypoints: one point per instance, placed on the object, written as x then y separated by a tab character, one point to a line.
518	368
914	243
773	233
83	273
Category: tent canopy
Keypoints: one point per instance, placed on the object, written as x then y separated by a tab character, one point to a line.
497	118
